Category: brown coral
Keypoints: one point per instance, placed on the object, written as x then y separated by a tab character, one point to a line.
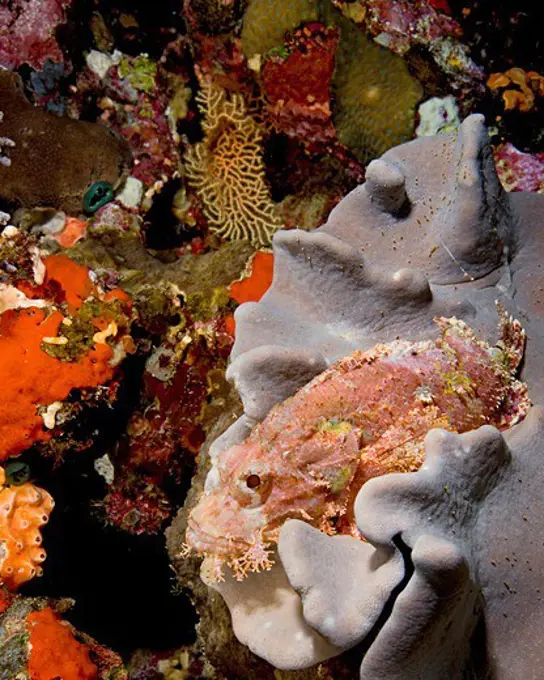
23	510
53	161
226	170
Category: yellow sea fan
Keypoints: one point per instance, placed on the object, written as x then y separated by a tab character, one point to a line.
226	170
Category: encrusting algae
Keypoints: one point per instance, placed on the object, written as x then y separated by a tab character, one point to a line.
365	416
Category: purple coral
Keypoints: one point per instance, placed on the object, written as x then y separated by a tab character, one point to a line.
519	171
27	32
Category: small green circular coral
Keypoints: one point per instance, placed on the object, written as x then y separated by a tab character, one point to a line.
98	195
17	473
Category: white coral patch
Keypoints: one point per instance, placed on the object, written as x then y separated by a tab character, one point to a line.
437	116
12	298
50	413
105	469
100	62
131	193
38	267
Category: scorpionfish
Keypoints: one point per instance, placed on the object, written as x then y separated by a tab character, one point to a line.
366	415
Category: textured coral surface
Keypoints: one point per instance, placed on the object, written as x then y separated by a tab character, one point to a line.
375	95
27	30
67	155
267	21
227	170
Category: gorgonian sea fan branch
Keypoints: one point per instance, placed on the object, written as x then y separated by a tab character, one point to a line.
227	171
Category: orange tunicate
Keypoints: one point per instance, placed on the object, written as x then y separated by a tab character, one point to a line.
530	83
254	286
54	651
31	378
23	510
497	80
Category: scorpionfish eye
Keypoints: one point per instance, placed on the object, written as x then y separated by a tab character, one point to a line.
252	487
253	481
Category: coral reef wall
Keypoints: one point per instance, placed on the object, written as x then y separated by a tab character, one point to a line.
204	205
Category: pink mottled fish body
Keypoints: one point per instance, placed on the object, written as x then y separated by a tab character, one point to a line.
367	415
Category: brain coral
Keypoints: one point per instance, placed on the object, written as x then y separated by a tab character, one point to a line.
376	97
267	21
227	171
23	510
451	548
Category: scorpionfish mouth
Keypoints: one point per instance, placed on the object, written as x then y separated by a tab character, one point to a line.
217	526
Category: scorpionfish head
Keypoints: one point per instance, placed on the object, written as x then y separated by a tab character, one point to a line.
229	520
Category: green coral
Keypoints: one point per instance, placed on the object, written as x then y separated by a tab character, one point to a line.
140	72
79	330
154	284
203	306
375	95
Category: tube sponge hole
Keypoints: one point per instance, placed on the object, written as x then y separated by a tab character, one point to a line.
98	195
